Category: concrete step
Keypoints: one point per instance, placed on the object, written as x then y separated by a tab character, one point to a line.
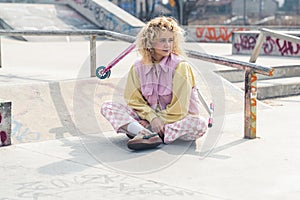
278	87
283	71
284	82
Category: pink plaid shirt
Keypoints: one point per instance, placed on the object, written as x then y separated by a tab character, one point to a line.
156	83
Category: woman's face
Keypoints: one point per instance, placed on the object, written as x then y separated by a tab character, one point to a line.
163	45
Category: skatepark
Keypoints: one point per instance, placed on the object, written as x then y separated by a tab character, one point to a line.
62	148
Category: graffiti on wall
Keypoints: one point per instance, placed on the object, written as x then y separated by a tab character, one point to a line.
245	43
21	133
5	124
3	135
103	17
11	128
216	34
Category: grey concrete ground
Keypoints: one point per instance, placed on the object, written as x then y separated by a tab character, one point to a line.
64	149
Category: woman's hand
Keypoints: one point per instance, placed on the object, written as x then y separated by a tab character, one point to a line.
144	123
157	126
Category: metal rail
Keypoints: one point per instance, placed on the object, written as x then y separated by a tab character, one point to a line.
118	36
250	68
280	35
230	62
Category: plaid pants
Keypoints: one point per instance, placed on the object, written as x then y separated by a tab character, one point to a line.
188	128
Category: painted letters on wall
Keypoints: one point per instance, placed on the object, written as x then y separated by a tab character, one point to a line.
220	34
244	43
104	18
5	123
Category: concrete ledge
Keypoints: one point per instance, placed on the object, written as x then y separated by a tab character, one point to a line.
285	81
283	88
5	123
284	71
274	88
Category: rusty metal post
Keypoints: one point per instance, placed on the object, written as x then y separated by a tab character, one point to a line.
251	92
93	55
250	104
247	104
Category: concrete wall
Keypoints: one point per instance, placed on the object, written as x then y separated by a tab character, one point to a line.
214	33
243	44
221	34
5	123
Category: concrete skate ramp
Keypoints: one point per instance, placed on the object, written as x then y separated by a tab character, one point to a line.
66	15
107	15
25	16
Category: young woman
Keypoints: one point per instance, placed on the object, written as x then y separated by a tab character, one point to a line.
161	95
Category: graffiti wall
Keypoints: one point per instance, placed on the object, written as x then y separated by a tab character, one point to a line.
106	15
219	34
222	34
5	123
244	43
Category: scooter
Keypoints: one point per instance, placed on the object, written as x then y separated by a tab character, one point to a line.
103	72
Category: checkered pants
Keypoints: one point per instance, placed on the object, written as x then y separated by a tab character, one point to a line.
189	128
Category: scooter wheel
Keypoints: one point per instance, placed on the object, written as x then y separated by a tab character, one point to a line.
101	75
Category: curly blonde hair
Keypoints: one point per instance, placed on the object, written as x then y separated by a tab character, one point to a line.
150	33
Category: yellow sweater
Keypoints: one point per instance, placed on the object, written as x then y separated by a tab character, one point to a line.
182	84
